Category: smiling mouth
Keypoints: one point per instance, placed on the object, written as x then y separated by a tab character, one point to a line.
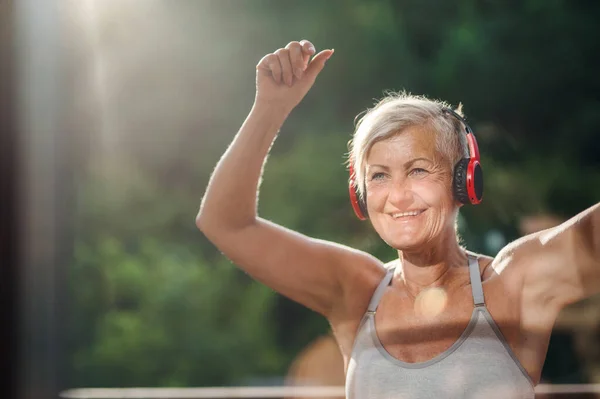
406	215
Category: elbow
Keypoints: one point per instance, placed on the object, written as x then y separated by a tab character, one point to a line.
208	217
204	221
201	221
214	224
207	223
208	226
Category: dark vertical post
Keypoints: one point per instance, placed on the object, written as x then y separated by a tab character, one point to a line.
8	206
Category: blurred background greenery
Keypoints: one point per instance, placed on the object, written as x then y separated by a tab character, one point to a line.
159	88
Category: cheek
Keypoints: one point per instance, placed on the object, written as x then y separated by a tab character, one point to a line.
434	192
376	195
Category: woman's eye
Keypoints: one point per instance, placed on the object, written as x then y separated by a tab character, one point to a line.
377	176
418	171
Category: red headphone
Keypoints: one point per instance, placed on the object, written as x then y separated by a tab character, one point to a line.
467	182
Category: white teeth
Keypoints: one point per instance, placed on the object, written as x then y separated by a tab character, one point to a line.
399	215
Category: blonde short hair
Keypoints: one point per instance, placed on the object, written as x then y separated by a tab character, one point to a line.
396	112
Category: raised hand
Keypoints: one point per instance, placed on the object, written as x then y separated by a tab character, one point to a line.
285	76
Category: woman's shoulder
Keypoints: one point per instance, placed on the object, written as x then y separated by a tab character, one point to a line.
358	287
485	264
392	265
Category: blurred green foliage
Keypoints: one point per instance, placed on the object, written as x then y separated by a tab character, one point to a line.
155	304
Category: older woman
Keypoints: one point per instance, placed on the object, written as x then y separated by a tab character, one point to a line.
440	321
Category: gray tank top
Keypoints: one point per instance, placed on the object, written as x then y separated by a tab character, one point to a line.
480	364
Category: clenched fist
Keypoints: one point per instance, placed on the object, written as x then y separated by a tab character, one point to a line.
285	76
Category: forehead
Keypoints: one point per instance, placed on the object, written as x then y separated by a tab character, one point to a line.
412	142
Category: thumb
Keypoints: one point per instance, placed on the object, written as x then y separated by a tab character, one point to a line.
317	64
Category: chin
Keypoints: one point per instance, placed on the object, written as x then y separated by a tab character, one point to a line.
408	244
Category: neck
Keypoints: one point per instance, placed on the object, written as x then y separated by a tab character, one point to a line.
433	267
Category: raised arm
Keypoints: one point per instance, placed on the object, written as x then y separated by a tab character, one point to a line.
560	265
310	271
574	256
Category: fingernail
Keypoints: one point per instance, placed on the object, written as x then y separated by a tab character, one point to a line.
312	49
298	73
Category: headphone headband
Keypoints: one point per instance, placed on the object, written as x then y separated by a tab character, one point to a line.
471	142
459	117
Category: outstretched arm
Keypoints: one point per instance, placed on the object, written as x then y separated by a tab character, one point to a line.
307	270
561	265
575	266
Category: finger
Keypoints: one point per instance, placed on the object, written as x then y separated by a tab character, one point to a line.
308	50
269	65
286	66
317	63
296	58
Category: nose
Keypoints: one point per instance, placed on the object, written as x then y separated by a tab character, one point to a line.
400	194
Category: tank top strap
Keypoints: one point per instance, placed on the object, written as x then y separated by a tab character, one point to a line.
476	285
380	290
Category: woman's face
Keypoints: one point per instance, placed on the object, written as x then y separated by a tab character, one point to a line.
408	187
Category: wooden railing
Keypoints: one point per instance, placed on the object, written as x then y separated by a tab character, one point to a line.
543	391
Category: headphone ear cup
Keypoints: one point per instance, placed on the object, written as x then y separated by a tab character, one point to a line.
358	205
459	183
362	204
477	191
